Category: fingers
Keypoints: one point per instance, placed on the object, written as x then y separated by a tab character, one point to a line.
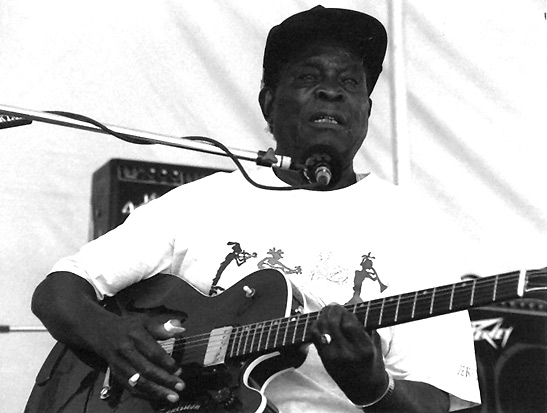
352	357
142	384
140	371
142	364
343	326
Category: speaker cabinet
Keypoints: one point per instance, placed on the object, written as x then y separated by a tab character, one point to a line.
511	350
122	185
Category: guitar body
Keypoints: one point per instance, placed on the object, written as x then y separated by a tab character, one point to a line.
72	380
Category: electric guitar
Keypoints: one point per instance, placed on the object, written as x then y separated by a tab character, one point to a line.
235	341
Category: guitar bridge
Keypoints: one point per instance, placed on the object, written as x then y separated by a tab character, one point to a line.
217	346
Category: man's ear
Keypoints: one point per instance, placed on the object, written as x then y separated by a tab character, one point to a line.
265	99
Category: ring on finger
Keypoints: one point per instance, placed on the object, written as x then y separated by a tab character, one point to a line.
325	339
134	379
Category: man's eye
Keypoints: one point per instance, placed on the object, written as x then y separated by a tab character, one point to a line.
306	77
349	81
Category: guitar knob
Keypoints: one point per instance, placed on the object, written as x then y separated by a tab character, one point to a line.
223	395
249	292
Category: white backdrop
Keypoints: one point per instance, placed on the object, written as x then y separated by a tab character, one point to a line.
475	127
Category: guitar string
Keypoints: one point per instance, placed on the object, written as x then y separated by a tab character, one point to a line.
410	297
286	330
284	327
441	291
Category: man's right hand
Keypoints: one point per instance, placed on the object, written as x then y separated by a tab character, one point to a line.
67	305
129	346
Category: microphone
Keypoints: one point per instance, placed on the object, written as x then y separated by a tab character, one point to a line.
318	169
322	166
323	175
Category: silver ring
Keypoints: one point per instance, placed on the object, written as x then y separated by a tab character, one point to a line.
134	379
325	338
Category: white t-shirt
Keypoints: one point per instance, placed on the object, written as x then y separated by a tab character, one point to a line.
368	240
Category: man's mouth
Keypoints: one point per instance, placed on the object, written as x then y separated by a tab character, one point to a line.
323	118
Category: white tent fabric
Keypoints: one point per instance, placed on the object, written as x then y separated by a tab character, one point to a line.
469	131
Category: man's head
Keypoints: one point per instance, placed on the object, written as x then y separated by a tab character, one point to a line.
362	34
319	69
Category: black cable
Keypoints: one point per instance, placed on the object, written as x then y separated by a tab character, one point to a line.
211	141
242	169
86	119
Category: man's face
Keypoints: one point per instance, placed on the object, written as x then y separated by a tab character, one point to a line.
321	99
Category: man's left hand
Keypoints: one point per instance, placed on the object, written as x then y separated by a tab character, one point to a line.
351	356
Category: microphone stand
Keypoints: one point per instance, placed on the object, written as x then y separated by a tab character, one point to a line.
262	158
21	329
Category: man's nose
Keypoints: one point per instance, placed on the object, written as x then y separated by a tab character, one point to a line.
329	90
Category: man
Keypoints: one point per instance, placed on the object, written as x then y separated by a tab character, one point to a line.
347	240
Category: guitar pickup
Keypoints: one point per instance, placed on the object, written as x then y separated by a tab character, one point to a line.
217	346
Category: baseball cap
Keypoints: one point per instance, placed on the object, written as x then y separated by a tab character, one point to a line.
362	34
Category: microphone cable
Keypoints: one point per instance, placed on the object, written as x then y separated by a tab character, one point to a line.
208	140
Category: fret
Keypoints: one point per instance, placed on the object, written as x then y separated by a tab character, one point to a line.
510	285
381	312
451	297
295	330
404	307
237	340
463	295
246	329
300	328
366	313
256	325
522	282
374	311
423	304
443	299
231	345
292	328
261	335
473	292
285	333
397	308
278	322
495	288
305	329
269	334
414	305
432	300
390	310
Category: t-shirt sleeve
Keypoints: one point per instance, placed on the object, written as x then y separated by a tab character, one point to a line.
135	250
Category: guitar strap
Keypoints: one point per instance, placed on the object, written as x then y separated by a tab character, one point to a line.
57	391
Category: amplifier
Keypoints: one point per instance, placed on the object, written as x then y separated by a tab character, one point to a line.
122	185
511	350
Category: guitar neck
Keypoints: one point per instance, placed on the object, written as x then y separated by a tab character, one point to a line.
383	312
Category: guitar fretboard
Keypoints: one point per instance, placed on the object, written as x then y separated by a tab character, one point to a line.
383	312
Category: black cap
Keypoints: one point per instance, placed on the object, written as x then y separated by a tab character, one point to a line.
360	33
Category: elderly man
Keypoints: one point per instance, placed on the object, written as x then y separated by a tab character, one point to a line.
348	238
